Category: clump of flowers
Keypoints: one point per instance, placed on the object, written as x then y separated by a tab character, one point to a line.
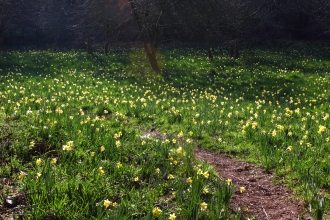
68	146
321	129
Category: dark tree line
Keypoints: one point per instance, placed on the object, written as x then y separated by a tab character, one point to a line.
100	23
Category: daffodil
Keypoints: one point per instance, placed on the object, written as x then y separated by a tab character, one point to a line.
38	175
156	211
205	190
38	161
31	144
172	216
21	175
53	160
100	170
170	176
203	206
229	182
206	174
118	165
107	203
242	189
321	129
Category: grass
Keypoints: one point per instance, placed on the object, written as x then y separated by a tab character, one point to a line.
74	129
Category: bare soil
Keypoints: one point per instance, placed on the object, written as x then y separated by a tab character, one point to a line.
263	199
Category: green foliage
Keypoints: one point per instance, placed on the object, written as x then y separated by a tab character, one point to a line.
123	141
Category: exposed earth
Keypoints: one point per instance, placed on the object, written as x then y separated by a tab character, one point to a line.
262	199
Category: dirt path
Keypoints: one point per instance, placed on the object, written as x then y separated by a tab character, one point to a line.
263	199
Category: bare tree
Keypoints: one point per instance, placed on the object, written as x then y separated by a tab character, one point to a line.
99	20
149	16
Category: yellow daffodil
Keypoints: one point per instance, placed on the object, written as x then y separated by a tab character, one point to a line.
206	174
156	211
118	165
229	182
321	129
242	189
31	144
203	206
170	176
107	203
172	216
100	170
38	161
38	175
205	190
21	175
53	160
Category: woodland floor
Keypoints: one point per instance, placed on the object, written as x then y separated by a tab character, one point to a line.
263	199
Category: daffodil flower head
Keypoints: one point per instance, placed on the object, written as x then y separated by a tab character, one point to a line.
53	160
203	206
38	161
172	216
106	203
156	211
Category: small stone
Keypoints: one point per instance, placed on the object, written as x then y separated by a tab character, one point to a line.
10	203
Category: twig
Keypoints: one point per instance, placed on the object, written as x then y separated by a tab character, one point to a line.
265	212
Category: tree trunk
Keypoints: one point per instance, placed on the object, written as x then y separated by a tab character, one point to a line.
89	46
151	54
106	48
153	62
209	51
231	49
236	50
